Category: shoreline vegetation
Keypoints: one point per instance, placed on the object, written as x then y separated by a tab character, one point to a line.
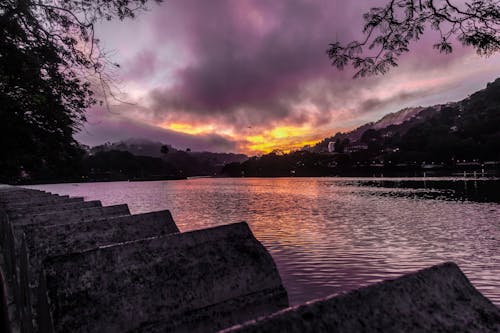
466	175
471	171
109	163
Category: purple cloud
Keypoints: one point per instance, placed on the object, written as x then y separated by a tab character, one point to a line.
253	65
257	60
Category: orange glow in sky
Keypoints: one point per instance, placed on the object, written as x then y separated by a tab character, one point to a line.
283	138
188	128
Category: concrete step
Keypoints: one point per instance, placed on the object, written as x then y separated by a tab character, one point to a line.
71	216
20	213
43	202
15	189
42	242
12	230
6	197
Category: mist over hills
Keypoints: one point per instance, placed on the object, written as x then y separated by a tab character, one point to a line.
469	128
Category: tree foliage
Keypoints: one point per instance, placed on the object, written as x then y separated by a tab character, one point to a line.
50	65
389	30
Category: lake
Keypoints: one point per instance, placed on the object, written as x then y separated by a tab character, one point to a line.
330	235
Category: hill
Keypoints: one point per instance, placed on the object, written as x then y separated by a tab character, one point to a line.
188	163
396	122
468	129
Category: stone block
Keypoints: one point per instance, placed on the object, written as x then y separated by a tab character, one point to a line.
437	299
13	229
23	196
20	213
42	202
197	281
15	189
71	216
41	242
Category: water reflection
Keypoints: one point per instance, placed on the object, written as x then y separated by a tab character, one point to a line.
331	235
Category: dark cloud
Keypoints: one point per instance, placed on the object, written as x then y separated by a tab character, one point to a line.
253	65
374	103
256	62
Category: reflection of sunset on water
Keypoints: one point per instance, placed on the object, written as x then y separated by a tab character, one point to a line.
330	235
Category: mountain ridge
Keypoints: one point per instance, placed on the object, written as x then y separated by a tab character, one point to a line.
399	121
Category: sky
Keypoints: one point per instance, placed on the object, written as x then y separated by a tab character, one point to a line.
252	76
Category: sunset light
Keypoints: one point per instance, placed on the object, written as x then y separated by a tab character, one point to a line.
282	138
188	128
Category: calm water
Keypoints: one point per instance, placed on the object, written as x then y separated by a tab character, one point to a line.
329	235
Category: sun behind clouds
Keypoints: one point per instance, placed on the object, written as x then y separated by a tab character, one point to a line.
283	138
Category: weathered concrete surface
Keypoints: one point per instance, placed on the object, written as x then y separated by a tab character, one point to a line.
197	281
23	195
71	216
19	213
7	187
4	305
45	196
21	208
42	242
13	228
12	190
43	202
437	299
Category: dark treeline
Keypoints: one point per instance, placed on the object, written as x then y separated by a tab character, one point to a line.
111	165
175	162
122	165
130	160
311	164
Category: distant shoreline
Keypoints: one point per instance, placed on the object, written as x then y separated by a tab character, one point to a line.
468	177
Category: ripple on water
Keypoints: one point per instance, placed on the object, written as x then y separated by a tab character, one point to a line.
327	235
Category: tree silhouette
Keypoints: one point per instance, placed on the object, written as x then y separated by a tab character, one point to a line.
389	30
50	64
164	149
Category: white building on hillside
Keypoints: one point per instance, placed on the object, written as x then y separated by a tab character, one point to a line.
331	147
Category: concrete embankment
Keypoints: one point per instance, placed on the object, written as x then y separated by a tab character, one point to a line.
190	282
70	265
75	266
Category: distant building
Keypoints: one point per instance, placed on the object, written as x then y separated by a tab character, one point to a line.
331	147
355	147
332	164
